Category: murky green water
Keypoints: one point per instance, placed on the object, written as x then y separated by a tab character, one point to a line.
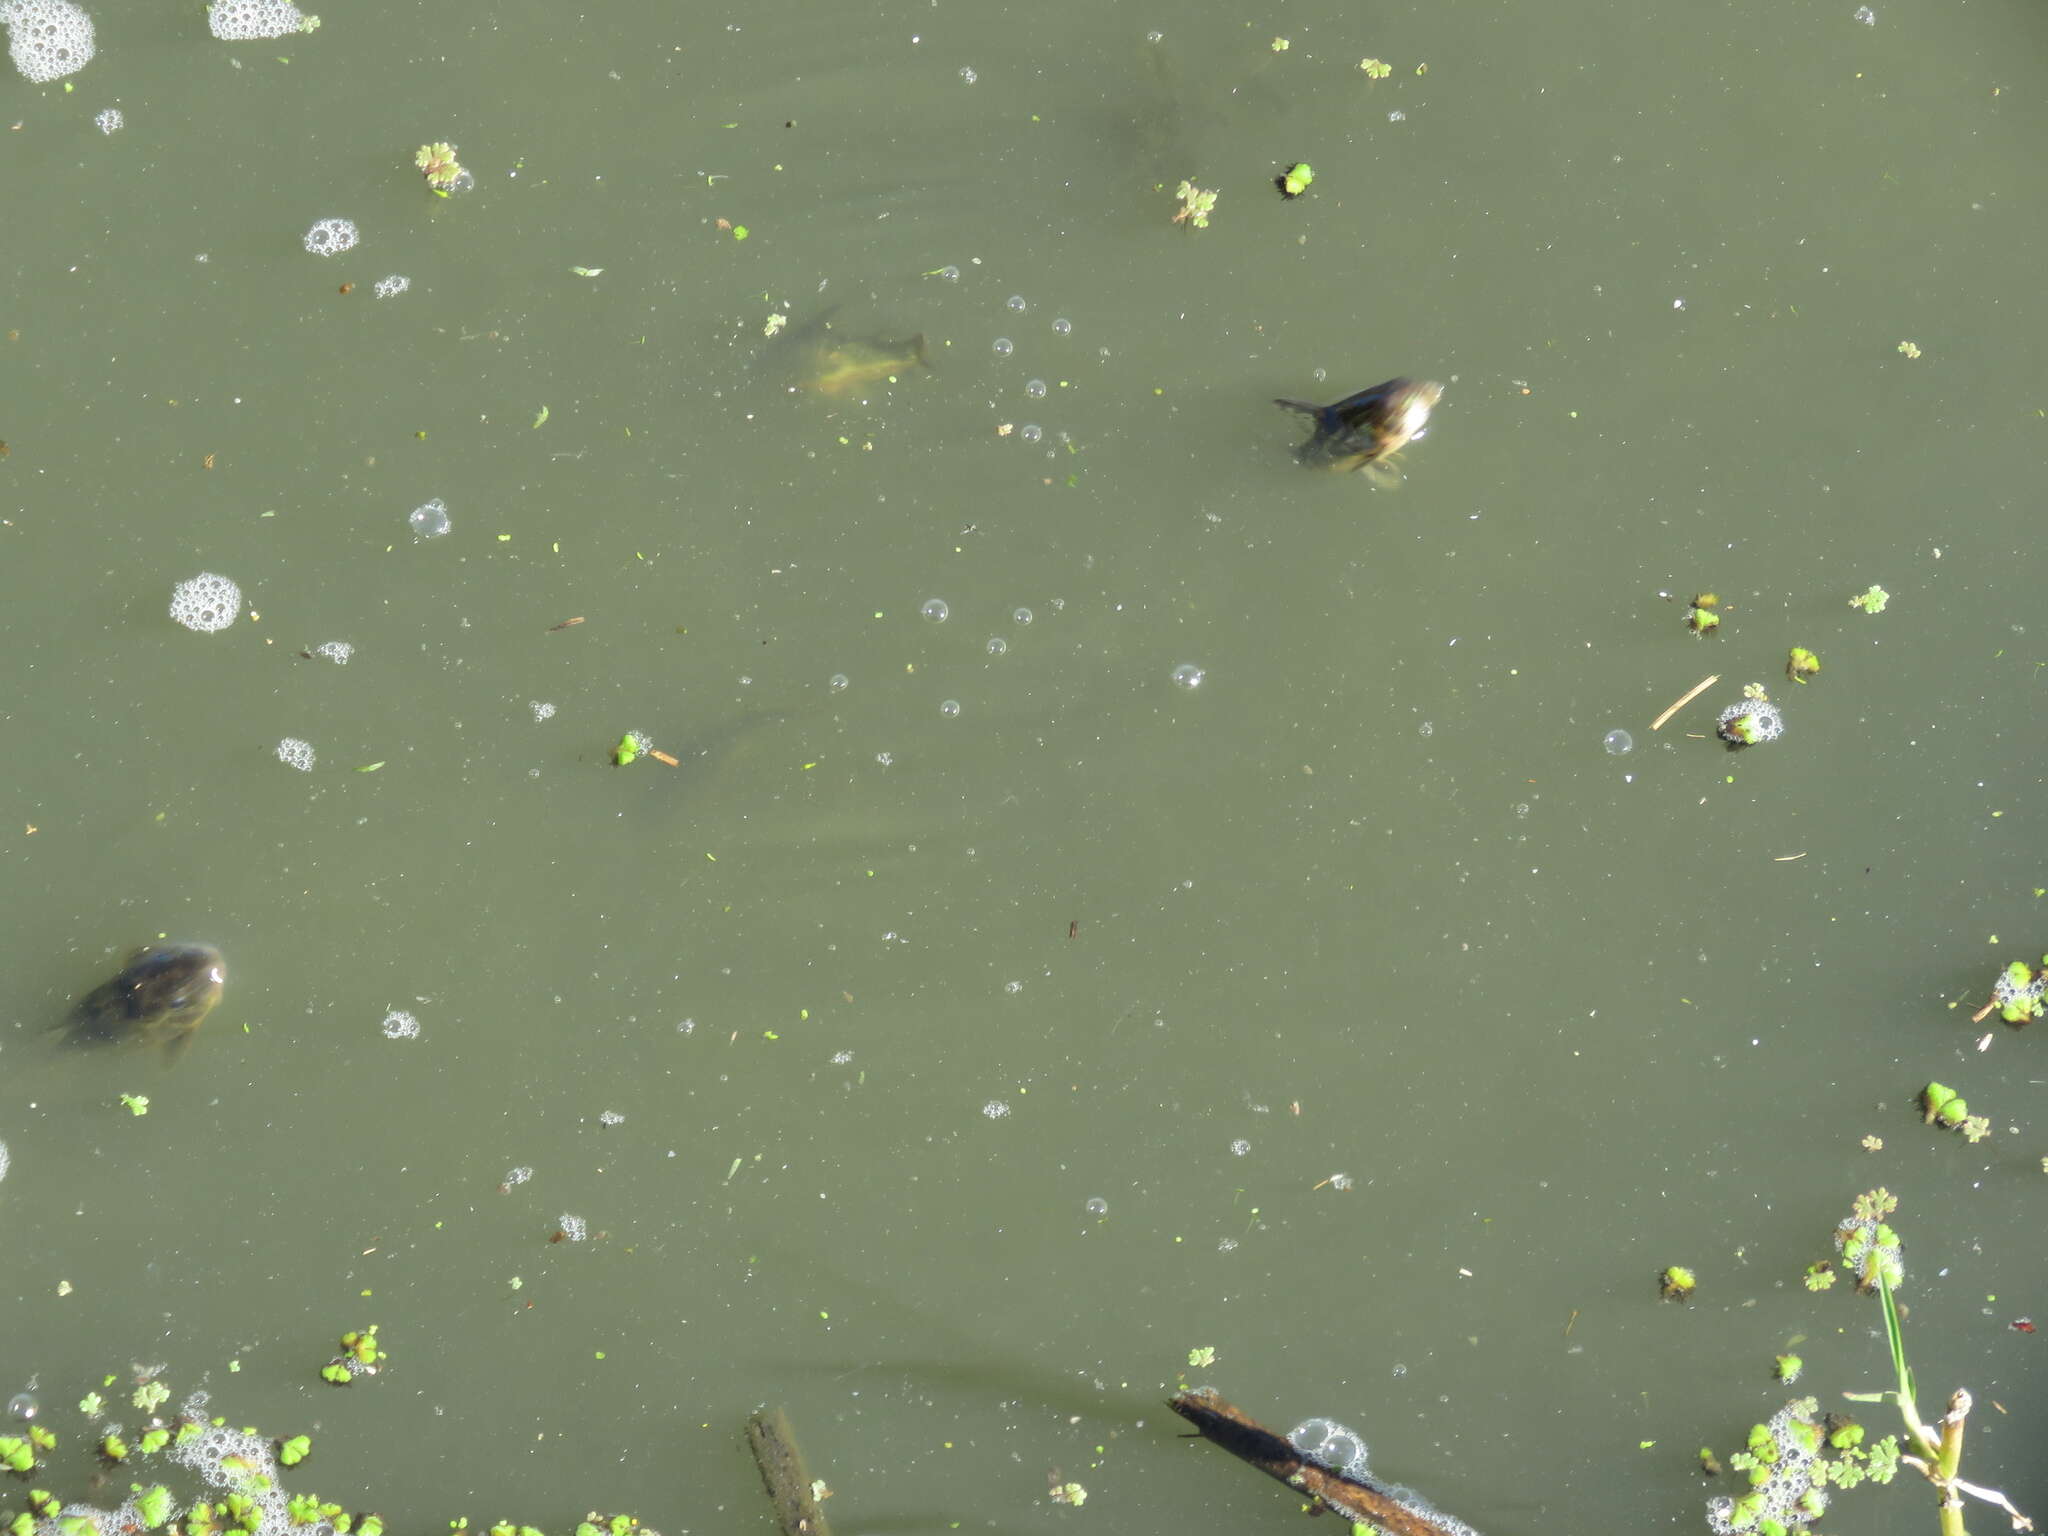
886	995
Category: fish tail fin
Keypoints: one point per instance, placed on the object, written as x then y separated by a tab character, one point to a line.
1307	408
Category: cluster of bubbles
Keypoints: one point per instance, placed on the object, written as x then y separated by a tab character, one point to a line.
295	753
541	710
206	603
1769	724
330	237
573	1228
995	1109
236	1461
391	287
2008	991
517	1175
1240	1147
110	121
336	651
47	39
399	1025
610	1117
240	20
1793	1495
431	520
1331	1446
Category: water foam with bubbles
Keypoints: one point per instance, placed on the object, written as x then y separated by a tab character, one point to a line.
208	602
240	20
47	39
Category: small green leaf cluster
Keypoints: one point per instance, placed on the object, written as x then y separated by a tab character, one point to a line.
1792	1460
1943	1106
1869	1247
2021	992
360	1356
1195	205
1676	1283
1704	616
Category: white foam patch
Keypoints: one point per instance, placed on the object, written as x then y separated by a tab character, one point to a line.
47	39
236	20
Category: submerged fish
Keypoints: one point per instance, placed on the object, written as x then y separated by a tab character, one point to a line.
159	998
831	362
1368	427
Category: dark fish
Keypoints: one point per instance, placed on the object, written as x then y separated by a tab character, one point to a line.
1368	427
159	998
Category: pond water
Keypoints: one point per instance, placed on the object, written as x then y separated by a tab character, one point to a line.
1089	887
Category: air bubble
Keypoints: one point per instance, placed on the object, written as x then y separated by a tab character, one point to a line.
1063	327
948	274
206	603
1617	742
997	645
838	682
1035	388
431	520
1013	987
23	1406
1097	1206
1018	303
1188	677
950	708
1020	616
937	609
1031	432
1003	346
330	237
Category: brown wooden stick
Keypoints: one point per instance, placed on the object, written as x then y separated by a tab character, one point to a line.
1978	1016
782	1468
1225	1424
1698	688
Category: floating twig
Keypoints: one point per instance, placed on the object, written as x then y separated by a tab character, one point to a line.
1699	688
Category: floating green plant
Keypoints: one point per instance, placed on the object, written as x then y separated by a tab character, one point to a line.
1704	616
1752	722
1787	1368
1676	1283
1296	179
240	1472
1800	664
360	1356
443	171
1195	205
1872	601
630	747
1943	1106
1376	69
2020	994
